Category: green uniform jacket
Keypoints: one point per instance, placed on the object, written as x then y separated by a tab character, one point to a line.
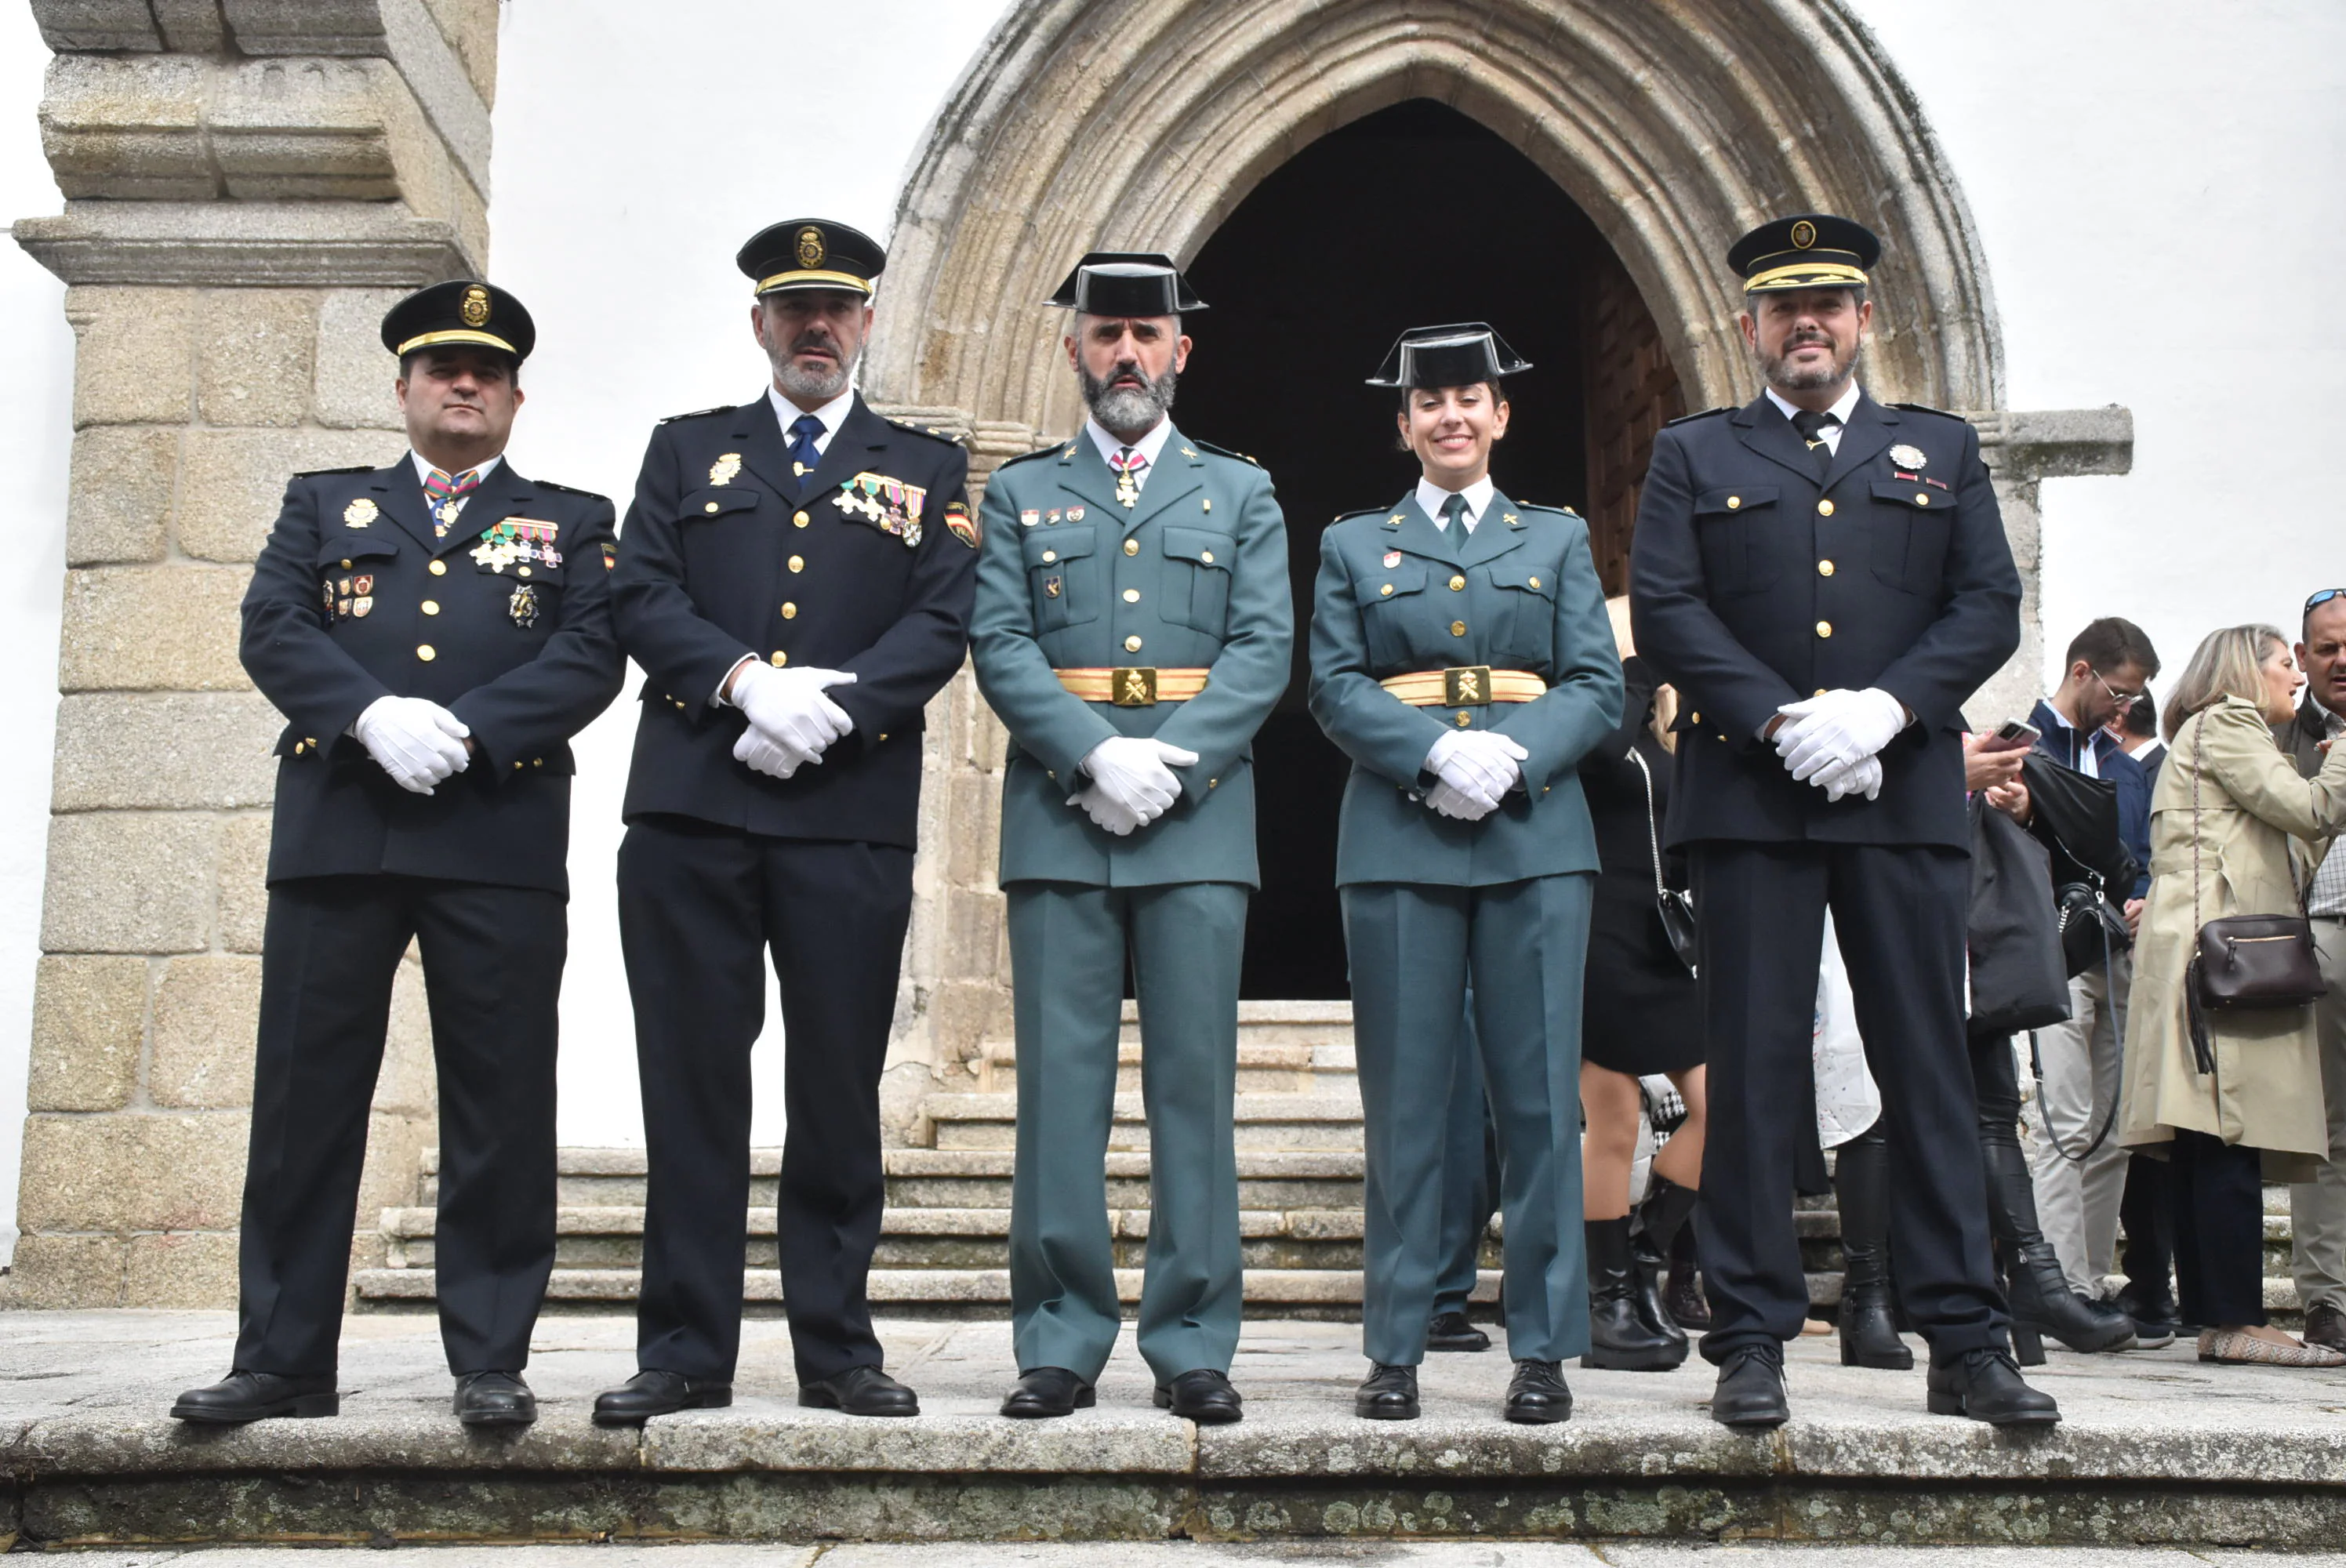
1397	595
1205	552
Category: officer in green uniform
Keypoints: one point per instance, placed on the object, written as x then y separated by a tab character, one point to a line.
1462	657
1132	630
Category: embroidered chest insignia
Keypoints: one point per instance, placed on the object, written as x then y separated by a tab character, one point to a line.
1906	456
359	513
722	471
1393	559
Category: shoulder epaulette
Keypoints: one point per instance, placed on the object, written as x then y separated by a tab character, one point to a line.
699	413
1051	451
1926	408
321	472
1222	451
947	437
1542	506
1363	511
568	489
1698	413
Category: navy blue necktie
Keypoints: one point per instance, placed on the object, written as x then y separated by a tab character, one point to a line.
803	456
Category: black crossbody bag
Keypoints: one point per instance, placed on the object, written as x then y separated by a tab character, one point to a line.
1675	908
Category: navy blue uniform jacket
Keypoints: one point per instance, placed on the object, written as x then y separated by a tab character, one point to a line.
1756	580
354	600
721	556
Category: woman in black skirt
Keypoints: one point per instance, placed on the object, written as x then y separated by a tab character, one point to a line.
1637	1017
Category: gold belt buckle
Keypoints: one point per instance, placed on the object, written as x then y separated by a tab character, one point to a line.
1466	686
1133	687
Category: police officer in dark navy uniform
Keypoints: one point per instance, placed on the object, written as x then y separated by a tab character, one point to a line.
434	632
795	581
1825	578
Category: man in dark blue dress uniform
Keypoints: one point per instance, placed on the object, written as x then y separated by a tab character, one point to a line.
1826	578
795	581
434	632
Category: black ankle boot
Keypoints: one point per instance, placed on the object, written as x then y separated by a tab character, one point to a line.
1869	1326
1683	1296
1652	1229
1618	1339
2034	1288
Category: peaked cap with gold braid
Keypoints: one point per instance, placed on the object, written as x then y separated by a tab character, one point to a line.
1808	251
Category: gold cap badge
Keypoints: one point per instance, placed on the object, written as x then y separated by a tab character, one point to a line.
1804	234
811	246
475	308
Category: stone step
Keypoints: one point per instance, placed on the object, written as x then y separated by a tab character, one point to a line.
1322	1028
903	1292
989	1121
1263	1068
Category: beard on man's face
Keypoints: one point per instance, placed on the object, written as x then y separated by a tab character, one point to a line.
811	382
1776	367
1125	401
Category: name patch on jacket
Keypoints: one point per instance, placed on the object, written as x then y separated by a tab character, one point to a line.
517	539
888	504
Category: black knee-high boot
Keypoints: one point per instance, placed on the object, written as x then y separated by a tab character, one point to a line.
1869	1328
2034	1288
1660	1217
1618	1338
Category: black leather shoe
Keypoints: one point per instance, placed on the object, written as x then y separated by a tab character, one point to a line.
1987	1387
1203	1395
494	1400
1048	1391
1389	1394
256	1396
2325	1325
1451	1331
1751	1391
1536	1395
651	1393
860	1391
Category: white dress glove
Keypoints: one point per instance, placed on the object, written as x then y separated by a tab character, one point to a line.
1837	731
762	755
417	741
1135	773
1863	778
1482	765
787	707
1107	814
1441	798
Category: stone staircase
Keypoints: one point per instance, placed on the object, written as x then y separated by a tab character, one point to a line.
944	1238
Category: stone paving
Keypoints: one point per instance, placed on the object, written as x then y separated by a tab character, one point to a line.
1199	1554
2156	1448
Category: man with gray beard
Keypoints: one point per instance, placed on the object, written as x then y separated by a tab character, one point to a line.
1132	631
1824	577
795	580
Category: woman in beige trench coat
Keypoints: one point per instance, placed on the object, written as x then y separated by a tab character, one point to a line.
2259	829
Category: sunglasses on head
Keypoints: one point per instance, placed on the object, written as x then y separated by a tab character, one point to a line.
2324	596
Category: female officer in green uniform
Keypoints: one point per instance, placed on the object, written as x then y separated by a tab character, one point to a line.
1461	656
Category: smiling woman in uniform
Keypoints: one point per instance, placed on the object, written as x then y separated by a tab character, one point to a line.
1461	656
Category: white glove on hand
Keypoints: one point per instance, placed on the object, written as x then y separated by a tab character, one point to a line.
1863	778
1480	764
1107	814
1441	798
788	707
763	756
1135	773
1837	731
417	741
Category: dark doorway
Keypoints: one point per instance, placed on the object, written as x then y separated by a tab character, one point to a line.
1413	216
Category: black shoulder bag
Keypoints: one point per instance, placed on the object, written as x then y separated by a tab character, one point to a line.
1675	908
2242	962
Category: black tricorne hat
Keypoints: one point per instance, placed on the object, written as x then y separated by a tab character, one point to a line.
1126	283
810	253
464	311
1457	355
1808	251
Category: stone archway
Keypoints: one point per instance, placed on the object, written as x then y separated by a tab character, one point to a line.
1141	124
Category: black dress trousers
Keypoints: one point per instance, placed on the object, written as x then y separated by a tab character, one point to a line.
491	976
1899	913
700	905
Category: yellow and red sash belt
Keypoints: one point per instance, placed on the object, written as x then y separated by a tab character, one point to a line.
1133	686
1464	685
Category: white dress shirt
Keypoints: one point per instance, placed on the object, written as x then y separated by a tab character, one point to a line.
832	415
1431	498
1843	406
1148	446
2080	745
426	468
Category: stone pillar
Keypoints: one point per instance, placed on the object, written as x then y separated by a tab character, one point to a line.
249	184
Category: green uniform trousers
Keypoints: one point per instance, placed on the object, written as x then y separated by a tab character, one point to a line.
1067	948
1412	947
